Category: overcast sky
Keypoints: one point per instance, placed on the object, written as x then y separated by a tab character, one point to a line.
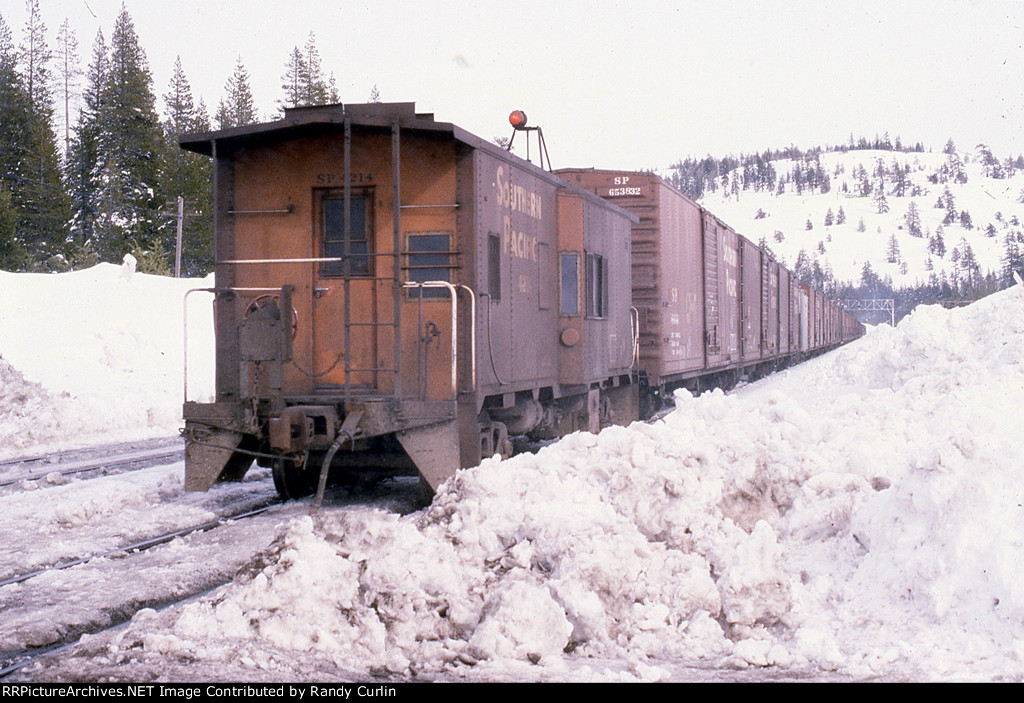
631	84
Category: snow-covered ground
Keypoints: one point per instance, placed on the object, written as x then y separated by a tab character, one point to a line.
857	517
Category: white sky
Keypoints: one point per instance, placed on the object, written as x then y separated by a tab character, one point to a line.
615	84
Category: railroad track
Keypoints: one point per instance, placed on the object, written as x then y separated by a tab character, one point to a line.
14	659
104	459
141	545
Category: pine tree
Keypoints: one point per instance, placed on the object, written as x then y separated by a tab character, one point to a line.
68	70
1012	260
40	201
303	81
937	244
314	87
333	96
802	269
87	160
869	279
132	140
951	214
881	203
913	220
892	249
237	108
968	264
36	55
292	79
841	216
15	119
189	175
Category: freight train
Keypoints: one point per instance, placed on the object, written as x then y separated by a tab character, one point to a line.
395	295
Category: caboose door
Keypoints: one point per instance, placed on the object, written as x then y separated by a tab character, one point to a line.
345	297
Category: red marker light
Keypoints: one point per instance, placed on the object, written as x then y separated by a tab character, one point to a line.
517	118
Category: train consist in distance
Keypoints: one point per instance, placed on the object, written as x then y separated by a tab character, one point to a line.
396	295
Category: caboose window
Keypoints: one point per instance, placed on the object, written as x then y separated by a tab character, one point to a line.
570	284
494	266
597	286
429	259
332	213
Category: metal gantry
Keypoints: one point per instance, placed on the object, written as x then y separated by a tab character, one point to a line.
873	305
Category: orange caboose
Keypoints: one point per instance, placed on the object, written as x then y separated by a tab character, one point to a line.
394	294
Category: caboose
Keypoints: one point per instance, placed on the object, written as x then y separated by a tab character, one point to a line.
395	295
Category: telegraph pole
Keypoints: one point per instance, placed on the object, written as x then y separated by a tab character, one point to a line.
180	215
177	239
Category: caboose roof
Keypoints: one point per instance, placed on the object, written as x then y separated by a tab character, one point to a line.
313	121
326	120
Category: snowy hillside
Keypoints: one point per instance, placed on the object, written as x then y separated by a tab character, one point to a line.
858	516
843	228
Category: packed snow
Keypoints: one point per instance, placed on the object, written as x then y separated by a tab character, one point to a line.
858	517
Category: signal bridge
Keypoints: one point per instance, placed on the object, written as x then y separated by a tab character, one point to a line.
873	304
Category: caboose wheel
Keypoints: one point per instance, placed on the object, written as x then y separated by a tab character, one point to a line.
291	479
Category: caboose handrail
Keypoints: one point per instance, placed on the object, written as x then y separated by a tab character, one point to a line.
472	336
306	260
634	328
452	290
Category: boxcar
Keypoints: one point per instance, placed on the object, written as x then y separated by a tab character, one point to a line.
712	306
394	294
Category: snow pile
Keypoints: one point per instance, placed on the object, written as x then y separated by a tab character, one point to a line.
857	516
97	355
860	514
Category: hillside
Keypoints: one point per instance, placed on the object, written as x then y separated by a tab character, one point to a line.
917	218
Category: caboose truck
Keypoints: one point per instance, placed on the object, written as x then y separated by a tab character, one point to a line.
395	295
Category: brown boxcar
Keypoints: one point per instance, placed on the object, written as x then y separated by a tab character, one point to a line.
395	294
751	288
667	265
786	326
712	305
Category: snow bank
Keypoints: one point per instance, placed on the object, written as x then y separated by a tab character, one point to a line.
97	355
859	514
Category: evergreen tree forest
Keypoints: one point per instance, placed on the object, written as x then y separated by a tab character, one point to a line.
90	170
